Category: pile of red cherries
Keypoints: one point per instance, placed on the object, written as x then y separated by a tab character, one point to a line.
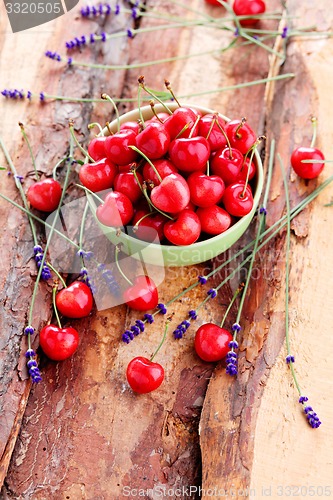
184	175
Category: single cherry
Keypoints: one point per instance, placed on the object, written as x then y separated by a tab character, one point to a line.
227	164
249	8
117	147
144	375
154	140
148	226
164	167
99	175
182	117
237	201
212	131
135	126
58	343
116	211
184	230
96	148
172	195
214	219
205	190
190	154
126	183
142	295
308	170
75	301
240	135
45	195
212	342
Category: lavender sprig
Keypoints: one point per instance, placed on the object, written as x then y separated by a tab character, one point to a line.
38	256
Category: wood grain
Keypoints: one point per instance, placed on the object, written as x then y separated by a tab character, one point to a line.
84	434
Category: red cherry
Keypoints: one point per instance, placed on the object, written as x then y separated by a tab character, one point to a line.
117	210
131	126
45	195
185	230
214	2
125	182
215	138
172	195
249	8
189	154
142	295
58	343
161	117
205	190
117	147
75	301
150	228
240	135
214	220
163	167
154	140
143	375
211	342
99	175
227	167
96	148
180	117
243	171
307	170
234	201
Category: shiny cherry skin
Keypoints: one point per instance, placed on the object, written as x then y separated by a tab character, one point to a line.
161	117
172	195
216	3
116	211
58	343
234	201
215	138
190	154
249	8
214	220
144	375
176	122
205	190
75	301
164	167
185	230
45	195
126	183
242	139
227	164
99	175
154	140
243	171
149	228
142	295
307	170
96	148
211	342
117	147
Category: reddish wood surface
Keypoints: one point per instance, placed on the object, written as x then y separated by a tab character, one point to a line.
84	434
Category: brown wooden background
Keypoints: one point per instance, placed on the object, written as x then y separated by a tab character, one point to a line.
82	433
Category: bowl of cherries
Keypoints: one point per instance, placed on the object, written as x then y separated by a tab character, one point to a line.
177	185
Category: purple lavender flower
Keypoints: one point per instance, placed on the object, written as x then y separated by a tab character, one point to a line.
29	330
193	314
263	211
130	33
32	366
290	359
284	33
312	417
162	308
53	55
236	327
212	292
181	329
231	362
38	256
149	318
202	280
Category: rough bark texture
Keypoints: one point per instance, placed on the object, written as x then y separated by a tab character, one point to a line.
81	432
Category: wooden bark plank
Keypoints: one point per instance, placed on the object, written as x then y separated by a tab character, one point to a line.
252	427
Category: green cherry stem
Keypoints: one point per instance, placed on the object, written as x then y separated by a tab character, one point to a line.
234	297
57	274
148	161
117	251
142	84
98	125
106	97
314	134
169	88
163	339
252	150
71	129
54	292
25	137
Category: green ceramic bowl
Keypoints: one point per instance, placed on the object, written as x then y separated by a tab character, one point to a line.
171	255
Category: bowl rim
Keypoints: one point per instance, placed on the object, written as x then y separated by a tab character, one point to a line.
246	219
